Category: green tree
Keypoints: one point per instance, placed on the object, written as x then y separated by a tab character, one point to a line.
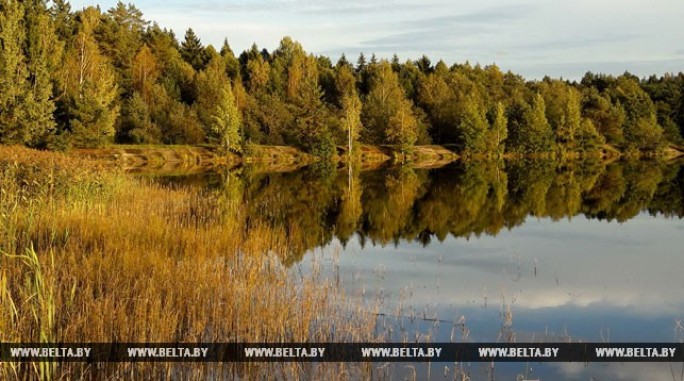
410	77
144	73
641	129
351	120
350	105
402	127
28	56
571	122
607	118
13	74
436	97
216	106
498	131
587	137
311	125
120	35
232	64
60	11
474	126
136	123
43	53
345	83
258	73
226	120
424	64
387	114
665	93
91	86
534	133
192	50
562	111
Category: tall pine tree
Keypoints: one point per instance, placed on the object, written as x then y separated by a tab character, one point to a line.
43	56
192	50
14	92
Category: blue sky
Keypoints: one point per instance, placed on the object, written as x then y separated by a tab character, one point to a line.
561	38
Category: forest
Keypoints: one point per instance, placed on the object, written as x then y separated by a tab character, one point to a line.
89	78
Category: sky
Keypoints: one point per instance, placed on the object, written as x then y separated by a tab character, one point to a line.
560	38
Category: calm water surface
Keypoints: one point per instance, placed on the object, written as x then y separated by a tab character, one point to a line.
537	251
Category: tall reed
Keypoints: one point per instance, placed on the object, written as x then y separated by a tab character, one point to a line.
92	255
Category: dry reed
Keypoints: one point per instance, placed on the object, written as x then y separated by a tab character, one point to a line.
91	255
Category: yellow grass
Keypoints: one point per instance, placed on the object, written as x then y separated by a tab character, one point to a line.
89	255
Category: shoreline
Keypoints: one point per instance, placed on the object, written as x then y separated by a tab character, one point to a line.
197	159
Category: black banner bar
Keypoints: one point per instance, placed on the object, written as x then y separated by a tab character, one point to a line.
343	352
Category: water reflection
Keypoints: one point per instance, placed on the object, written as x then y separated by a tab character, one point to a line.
315	205
488	251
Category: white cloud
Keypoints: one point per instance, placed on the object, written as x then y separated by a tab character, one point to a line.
535	37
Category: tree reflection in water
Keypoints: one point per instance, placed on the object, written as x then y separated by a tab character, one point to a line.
313	205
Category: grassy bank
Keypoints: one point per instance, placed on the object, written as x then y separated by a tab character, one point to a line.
92	255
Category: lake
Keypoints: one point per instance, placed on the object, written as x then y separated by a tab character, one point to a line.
490	252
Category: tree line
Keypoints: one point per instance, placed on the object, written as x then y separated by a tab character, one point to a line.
88	78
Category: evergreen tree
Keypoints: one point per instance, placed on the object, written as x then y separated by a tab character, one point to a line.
679	109
665	93
192	50
226	49
14	87
91	86
587	137
43	55
535	133
136	123
363	75
361	62
231	63
119	35
312	130
343	62
409	78
607	118
424	64
60	11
